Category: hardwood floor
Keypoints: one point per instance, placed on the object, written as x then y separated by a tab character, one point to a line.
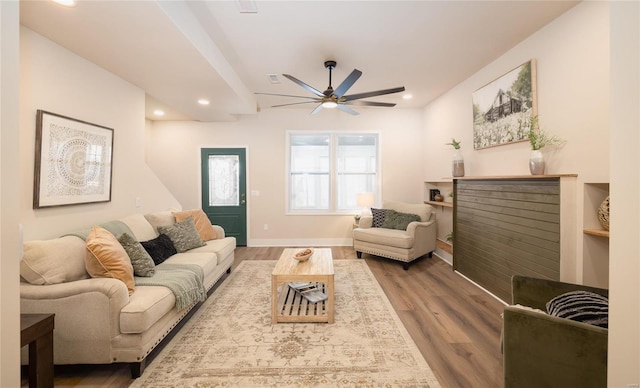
455	324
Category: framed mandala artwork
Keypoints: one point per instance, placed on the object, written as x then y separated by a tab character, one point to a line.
73	161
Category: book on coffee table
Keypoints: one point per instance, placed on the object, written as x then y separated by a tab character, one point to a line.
309	291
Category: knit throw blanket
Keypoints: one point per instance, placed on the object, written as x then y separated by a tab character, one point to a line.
184	280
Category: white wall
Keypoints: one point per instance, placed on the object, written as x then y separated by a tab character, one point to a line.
624	292
9	196
56	80
173	152
572	55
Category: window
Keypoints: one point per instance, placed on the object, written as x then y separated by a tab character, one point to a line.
327	170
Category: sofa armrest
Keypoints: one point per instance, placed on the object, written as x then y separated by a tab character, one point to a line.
420	227
544	351
87	316
219	231
534	292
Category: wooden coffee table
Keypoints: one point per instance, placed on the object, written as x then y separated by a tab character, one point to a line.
288	305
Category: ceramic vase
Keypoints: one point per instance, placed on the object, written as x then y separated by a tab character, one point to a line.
457	166
536	163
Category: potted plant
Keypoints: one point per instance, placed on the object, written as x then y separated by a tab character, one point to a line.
457	167
539	139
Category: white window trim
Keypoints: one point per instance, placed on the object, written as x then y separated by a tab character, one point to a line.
332	173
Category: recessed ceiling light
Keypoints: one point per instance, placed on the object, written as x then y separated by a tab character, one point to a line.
158	112
407	96
203	101
66	3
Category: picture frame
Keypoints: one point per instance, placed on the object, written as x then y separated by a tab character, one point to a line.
503	108
73	161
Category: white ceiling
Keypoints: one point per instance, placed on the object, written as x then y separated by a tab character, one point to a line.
180	51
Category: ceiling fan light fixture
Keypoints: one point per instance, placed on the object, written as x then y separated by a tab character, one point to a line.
329	104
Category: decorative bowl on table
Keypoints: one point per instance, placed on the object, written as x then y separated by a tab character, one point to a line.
303	255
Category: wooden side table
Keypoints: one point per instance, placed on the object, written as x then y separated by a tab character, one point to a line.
36	330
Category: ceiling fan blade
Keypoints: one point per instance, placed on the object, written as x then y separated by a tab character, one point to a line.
309	88
369	103
347	83
316	109
358	96
345	108
294	103
283	95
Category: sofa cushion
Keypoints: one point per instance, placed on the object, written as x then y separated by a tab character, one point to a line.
390	237
53	261
146	306
203	225
581	306
378	217
150	303
106	258
207	260
398	220
159	248
140	227
221	247
183	234
142	263
163	218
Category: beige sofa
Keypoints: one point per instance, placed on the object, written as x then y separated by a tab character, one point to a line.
404	245
97	320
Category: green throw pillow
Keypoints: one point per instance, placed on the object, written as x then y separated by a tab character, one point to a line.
397	220
141	261
183	234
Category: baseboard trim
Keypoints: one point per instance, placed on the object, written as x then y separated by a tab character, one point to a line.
482	288
303	242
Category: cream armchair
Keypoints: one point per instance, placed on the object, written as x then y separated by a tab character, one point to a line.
417	240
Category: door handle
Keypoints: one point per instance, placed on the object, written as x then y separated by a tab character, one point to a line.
243	202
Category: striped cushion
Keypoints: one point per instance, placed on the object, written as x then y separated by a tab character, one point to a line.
581	306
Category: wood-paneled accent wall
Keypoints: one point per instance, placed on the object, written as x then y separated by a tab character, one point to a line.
504	227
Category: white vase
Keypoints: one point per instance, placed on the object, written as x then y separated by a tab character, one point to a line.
536	163
457	166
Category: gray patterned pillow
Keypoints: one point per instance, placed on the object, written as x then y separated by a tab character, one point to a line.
184	235
398	220
142	263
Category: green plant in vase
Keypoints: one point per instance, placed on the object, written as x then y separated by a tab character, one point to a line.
539	139
449	238
458	161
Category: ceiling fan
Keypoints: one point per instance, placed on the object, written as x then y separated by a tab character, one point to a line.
336	98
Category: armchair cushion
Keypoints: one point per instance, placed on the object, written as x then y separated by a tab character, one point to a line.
389	237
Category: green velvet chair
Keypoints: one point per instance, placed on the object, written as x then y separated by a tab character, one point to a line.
540	350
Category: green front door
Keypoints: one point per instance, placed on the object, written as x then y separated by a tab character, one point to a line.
224	190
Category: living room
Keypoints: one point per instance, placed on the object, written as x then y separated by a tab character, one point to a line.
580	56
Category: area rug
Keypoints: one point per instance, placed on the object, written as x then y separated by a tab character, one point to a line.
230	341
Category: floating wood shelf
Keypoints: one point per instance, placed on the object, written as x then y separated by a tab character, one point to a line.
445	246
597	232
436	203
